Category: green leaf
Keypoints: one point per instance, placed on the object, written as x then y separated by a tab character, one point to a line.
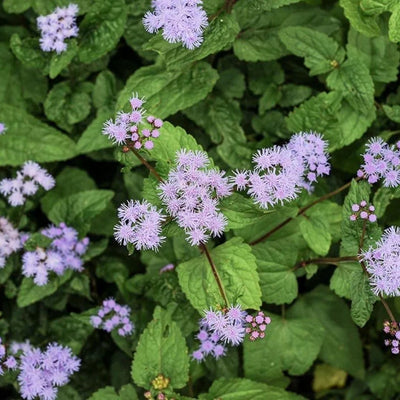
169	91
231	83
335	117
269	99
375	7
127	392
362	298
237	269
382	198
287	346
79	209
218	36
67	106
105	90
37	240
92	138
361	22
27	50
245	389
70	331
394	24
16	6
60	61
392	112
44	7
353	80
30	293
316	233
69	180
29	139
101	29
377	53
341	346
292	95
107	393
321	53
161	350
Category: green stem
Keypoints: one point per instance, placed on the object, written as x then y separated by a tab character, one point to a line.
325	260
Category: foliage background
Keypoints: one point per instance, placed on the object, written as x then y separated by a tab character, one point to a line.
267	69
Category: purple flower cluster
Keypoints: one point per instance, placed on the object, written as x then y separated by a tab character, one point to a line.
18	348
64	252
312	150
393	330
140	224
181	21
6	362
56	27
210	344
381	161
113	316
41	373
383	263
363	211
191	195
257	325
3	128
10	240
282	171
126	128
26	183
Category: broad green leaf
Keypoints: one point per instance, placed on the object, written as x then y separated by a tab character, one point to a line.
44	7
218	36
105	90
245	389
169	91
37	240
269	99
375	7
101	29
321	53
136	35
377	53
382	199
236	266
29	139
394	24
79	209
341	346
16	6
66	105
161	350
353	80
30	293
107	393
335	117
69	180
286	346
262	74
291	94
127	392
392	112
362	298
231	83
316	233
360	21
60	61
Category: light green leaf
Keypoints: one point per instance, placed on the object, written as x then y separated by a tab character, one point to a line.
107	393
392	112
105	90
236	266
29	139
316	233
169	91
79	209
60	61
245	389
394	24
269	99
161	350
16	6
101	29
291	94
321	53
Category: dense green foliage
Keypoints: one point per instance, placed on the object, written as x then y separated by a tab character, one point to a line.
266	69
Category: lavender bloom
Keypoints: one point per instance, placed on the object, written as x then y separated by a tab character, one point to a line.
18	348
181	21
166	268
64	252
383	263
113	316
41	373
363	211
126	128
3	128
278	176
56	27
10	240
381	161
140	225
311	149
26	183
392	329
257	325
191	195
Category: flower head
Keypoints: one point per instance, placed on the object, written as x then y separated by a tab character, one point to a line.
181	21
56	27
3	128
10	240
